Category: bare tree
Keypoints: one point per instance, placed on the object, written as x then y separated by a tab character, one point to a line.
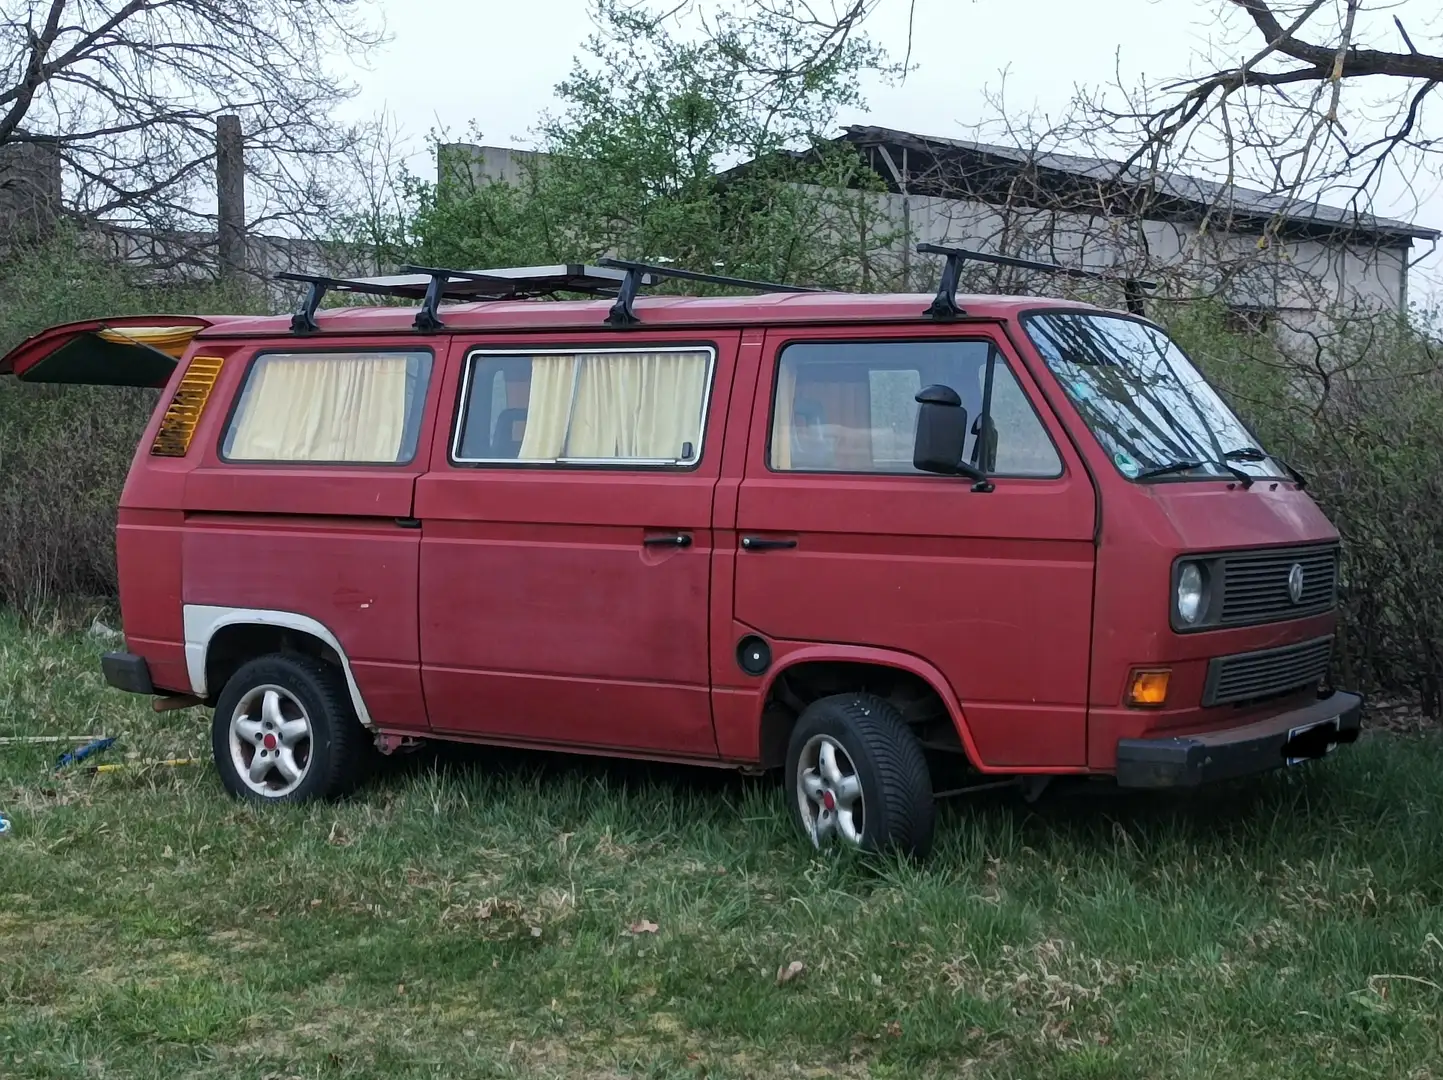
125	93
1326	103
1312	108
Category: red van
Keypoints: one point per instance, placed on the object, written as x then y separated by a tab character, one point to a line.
858	537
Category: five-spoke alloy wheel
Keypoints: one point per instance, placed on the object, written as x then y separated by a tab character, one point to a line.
856	775
285	731
829	792
270	741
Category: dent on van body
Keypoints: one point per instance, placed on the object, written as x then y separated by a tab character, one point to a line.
203	622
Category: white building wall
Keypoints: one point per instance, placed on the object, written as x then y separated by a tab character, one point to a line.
1297	279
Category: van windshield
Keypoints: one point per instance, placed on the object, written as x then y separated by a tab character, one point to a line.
1149	407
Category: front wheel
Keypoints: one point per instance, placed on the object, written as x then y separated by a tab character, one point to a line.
285	731
857	776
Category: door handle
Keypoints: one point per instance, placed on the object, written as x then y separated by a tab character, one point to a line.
409	522
762	543
677	540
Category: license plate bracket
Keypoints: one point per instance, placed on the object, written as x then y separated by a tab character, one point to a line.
1308	742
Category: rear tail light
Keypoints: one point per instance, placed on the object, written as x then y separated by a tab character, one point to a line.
178	425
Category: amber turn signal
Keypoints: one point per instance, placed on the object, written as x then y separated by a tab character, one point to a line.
1148	689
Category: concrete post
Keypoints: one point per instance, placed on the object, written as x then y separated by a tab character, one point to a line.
230	176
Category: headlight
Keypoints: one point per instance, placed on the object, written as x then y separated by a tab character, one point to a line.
1190	594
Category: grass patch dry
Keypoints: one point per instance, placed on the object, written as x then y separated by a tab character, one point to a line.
487	914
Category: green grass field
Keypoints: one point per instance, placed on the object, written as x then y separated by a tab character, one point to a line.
492	915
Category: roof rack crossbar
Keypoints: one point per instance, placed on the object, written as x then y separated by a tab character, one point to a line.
431	285
623	313
442	285
304	320
945	305
427	320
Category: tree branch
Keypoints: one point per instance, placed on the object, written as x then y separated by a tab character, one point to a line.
24	94
1356	63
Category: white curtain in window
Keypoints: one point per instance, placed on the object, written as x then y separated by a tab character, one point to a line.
322	408
548	409
782	418
626	405
637	405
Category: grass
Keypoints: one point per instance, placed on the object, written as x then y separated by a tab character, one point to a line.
489	915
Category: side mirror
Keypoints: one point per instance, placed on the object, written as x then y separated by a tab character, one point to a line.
942	434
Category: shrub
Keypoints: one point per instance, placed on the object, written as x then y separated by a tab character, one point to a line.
64	451
1358	410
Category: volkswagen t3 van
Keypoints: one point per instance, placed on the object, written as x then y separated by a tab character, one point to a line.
854	537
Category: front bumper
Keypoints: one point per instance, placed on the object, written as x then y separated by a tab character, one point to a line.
1288	738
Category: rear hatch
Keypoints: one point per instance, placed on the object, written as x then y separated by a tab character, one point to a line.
128	351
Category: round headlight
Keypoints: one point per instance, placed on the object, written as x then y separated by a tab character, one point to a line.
1190	593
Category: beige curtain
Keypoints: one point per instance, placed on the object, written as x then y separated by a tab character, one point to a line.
626	405
548	410
322	408
782	417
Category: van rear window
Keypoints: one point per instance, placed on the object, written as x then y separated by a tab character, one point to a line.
352	408
644	407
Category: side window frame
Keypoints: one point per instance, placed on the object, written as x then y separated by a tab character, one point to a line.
996	354
418	451
473	355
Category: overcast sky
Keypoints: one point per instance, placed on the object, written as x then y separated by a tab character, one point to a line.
496	62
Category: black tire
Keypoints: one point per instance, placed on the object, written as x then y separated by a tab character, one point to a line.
339	748
896	789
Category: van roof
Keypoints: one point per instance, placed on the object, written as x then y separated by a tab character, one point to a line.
653	311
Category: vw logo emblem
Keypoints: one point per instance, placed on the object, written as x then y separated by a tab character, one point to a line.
1295	583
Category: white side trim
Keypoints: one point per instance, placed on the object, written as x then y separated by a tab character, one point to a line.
201	624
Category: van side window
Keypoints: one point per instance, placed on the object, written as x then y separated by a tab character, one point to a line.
360	408
632	407
851	407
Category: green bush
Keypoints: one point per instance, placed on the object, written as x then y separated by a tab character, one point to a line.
1358	410
64	451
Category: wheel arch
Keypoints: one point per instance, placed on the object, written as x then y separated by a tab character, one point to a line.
773	726
205	626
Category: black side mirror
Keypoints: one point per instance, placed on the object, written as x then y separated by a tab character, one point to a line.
942	434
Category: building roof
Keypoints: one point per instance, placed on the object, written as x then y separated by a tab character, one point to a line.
1185	196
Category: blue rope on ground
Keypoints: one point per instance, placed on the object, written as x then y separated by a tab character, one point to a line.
97	747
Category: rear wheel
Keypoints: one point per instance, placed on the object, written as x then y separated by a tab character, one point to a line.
857	777
285	731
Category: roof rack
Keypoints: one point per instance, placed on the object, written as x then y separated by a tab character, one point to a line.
945	305
623	313
431	285
622	279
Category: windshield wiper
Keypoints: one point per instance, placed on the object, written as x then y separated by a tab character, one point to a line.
1293	474
1245	453
1170	467
1252	453
1184	465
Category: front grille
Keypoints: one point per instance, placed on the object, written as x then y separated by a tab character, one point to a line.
1255	585
1250	676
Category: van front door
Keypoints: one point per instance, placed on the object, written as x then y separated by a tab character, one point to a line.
840	541
566	543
